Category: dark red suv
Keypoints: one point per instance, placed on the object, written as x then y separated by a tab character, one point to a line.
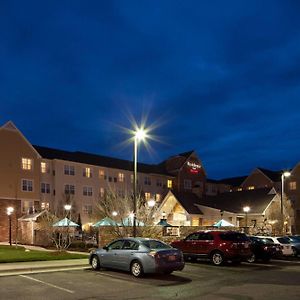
216	245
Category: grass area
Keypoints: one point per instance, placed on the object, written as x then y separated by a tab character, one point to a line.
17	254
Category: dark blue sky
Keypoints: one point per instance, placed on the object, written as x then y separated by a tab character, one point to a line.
220	77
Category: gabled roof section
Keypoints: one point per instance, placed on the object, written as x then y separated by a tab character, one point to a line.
186	154
275	176
257	200
233	181
98	160
11	126
189	202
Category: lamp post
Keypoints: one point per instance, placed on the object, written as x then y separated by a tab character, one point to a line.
139	135
283	175
9	211
246	209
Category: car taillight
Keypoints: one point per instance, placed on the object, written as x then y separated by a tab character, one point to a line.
154	254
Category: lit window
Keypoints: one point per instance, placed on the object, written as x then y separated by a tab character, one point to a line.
26	163
101	174
45	188
44	205
44	167
187	184
102	192
87	191
147	196
27	185
158	197
251	187
87	172
239	189
69	170
121	177
169	183
69	189
293	185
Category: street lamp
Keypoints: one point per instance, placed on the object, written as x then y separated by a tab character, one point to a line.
114	213
9	211
283	175
139	135
151	203
246	209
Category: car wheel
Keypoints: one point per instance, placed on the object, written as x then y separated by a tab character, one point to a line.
217	258
251	259
136	269
95	262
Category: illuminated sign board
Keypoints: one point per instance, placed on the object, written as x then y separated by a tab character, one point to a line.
194	168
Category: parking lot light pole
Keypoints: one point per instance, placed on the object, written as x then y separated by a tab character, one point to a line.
139	135
246	209
283	175
9	211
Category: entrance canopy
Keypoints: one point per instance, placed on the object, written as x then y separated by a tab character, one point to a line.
65	223
105	222
223	223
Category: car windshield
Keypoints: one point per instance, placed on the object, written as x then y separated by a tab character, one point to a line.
234	237
154	244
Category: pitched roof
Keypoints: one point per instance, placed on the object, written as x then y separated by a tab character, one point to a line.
233	181
257	200
275	176
188	201
98	160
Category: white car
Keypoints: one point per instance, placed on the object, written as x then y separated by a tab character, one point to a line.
284	242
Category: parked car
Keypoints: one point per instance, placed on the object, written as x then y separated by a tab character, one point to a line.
295	242
138	256
284	242
216	245
263	249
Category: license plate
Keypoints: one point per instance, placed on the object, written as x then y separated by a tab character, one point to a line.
171	257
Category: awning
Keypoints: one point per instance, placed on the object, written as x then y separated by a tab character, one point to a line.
223	223
105	222
65	223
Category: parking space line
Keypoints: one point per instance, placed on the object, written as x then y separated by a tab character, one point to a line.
46	283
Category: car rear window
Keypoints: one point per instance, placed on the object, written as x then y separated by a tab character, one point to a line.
154	244
234	237
283	240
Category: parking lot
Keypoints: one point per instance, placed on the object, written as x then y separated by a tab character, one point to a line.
276	280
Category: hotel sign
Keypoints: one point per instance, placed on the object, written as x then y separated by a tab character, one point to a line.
194	168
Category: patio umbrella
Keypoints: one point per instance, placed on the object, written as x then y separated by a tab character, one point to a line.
105	222
223	223
65	223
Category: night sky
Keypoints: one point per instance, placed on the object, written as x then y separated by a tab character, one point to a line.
218	77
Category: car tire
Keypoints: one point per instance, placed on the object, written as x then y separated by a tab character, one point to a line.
217	258
251	259
136	269
95	262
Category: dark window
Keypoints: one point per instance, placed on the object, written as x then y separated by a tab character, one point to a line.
154	244
192	237
116	245
234	237
206	237
130	245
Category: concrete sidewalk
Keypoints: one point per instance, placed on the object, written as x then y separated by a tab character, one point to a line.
17	268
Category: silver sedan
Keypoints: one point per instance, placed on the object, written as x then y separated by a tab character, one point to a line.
138	256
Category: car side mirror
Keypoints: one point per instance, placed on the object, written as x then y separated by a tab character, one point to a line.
105	248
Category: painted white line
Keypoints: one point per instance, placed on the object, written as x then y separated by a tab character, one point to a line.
46	283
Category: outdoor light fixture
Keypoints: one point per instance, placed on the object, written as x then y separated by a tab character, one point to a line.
283	175
139	135
67	207
246	209
9	211
151	203
114	213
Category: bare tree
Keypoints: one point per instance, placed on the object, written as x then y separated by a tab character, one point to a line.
119	208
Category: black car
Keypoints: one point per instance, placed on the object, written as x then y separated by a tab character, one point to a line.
263	249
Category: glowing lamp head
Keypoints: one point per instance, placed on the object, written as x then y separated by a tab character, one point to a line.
246	209
67	207
9	210
286	174
140	134
151	203
114	213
